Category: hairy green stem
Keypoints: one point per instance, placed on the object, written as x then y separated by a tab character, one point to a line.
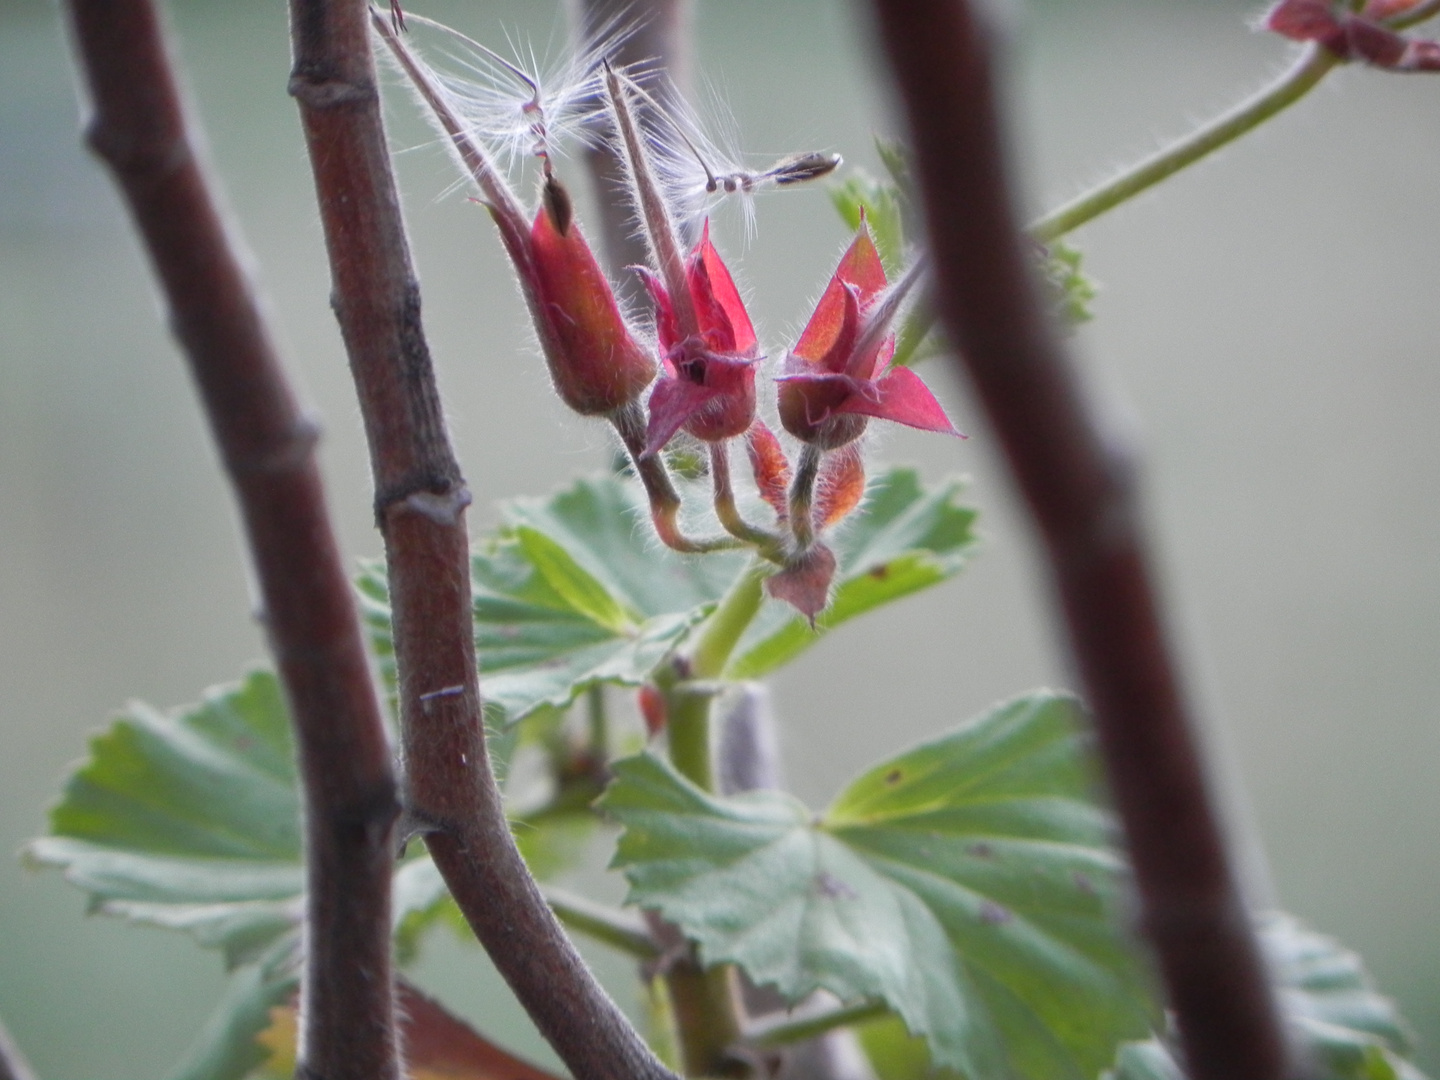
722	630
629	424
707	1021
618	929
798	1029
767	544
802	496
1312	66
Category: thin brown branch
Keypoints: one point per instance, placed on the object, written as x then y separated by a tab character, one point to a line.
13	1065
420	502
1080	487
268	448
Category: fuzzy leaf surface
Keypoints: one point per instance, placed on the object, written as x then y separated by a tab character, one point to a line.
190	820
968	883
569	592
574	590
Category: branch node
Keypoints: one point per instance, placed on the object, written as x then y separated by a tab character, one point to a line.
137	155
441	507
314	93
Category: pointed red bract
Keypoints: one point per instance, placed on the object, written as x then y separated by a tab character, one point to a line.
804	583
841	486
836	376
594	360
858	278
770	467
708	385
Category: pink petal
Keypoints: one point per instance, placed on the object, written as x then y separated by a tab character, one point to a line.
901	396
672	402
859	267
1304	20
665	329
717	301
1374	44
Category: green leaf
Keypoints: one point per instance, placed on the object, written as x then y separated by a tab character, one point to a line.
969	884
1348	1030
570	592
226	1048
1070	288
578	589
189	821
905	538
573	590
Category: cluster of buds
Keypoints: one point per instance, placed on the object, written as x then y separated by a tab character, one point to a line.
835	379
1369	34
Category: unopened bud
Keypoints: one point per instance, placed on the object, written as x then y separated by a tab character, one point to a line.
595	361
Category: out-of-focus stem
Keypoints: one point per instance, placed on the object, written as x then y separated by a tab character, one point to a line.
13	1065
1079	482
622	930
798	1029
1313	65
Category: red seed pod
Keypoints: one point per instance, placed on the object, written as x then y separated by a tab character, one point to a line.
652	708
595	361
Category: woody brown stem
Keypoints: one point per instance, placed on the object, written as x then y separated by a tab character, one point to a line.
1079	482
268	448
420	502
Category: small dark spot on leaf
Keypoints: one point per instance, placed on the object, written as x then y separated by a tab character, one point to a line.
1083	883
980	850
894	776
881	572
829	886
994	914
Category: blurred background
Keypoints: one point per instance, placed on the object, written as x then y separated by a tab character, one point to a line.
1266	329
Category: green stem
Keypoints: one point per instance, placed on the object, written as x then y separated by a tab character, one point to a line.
798	1029
768	544
599	720
1314	64
722	630
703	1001
802	496
618	929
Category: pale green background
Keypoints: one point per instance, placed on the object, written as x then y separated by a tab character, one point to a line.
1267	329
